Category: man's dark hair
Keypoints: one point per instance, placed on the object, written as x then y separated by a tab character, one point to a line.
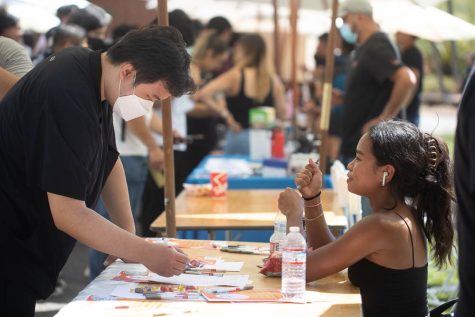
219	24
157	53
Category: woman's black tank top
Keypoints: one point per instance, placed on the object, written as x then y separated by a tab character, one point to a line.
240	104
391	292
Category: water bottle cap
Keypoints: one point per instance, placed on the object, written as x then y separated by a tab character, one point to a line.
294	229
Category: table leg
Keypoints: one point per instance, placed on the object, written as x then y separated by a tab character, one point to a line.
160	234
211	234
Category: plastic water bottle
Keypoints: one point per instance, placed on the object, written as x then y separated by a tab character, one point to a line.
278	237
294	260
278	143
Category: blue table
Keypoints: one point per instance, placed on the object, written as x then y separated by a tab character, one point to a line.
200	176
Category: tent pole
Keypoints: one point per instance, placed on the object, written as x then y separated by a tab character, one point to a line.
327	90
294	6
276	34
168	142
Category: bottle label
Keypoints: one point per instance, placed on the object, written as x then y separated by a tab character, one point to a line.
294	256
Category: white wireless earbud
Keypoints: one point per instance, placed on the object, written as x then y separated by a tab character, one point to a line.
385	174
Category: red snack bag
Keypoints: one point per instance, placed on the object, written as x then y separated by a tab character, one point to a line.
272	265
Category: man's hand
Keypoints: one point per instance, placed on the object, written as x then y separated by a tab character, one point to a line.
164	260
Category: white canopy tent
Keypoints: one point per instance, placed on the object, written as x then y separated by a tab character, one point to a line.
248	16
425	22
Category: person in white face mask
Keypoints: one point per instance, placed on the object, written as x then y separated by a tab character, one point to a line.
138	149
58	155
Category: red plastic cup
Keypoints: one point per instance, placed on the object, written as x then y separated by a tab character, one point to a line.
219	183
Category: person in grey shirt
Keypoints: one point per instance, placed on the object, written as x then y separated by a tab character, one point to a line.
14	63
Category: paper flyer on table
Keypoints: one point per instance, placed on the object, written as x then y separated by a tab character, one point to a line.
259	295
186	244
201	280
253	295
225	266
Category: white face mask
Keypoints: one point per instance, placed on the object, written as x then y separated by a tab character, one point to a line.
131	106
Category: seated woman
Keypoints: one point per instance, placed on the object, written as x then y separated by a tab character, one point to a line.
407	177
251	83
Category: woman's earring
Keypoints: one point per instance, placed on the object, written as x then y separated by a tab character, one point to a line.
385	174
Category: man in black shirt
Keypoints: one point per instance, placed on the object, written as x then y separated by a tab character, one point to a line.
412	58
378	85
465	189
58	154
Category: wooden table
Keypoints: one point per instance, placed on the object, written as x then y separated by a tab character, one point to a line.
239	210
336	297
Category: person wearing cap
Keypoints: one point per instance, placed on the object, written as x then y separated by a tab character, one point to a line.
378	84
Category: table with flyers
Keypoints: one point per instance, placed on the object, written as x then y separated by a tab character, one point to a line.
333	296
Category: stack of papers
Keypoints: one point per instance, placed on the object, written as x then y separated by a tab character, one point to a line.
201	280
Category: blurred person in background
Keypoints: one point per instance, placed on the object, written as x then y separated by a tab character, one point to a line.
223	28
378	84
45	40
14	63
340	74
95	25
9	26
198	27
250	83
469	68
209	54
63	37
411	56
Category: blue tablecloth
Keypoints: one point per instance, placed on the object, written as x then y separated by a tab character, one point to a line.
200	176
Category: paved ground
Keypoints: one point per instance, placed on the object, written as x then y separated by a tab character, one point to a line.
438	119
73	275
